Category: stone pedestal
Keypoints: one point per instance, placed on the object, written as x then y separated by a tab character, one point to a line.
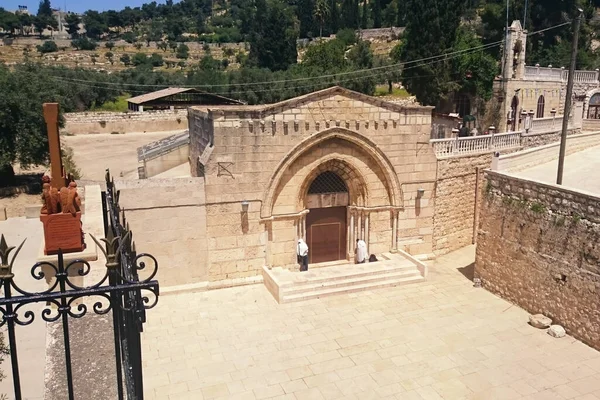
62	231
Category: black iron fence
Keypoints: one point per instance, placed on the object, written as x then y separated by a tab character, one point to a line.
120	290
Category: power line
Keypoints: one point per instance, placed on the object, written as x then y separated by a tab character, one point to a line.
441	57
383	70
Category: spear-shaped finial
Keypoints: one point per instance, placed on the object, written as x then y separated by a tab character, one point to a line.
6	265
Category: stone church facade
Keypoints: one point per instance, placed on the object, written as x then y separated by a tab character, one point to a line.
330	167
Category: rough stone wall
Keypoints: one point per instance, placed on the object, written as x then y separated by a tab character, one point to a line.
539	247
247	152
455	194
168	220
109	122
531	140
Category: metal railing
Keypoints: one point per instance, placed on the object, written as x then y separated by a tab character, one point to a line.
120	291
163	146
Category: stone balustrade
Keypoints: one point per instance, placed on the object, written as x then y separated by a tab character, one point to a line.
559	74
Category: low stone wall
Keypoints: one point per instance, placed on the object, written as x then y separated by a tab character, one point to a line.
591	125
539	155
530	140
166	161
168	220
538	248
111	122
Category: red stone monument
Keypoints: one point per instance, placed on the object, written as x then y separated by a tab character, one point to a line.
61	209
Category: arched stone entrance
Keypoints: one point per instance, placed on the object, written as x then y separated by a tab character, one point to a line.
367	192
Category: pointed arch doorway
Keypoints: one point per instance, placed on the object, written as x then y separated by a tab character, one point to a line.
326	223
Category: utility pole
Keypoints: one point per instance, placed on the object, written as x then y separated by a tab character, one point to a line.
568	100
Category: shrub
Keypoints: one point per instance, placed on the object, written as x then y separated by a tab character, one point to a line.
125	59
84	44
139	59
48	47
69	163
110	45
183	51
347	36
156	60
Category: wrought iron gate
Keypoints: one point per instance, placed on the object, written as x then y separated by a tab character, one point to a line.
120	290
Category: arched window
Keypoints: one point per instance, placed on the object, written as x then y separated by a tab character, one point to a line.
328	182
514	106
540	107
594	107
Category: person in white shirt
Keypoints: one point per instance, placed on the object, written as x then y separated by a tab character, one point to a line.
361	251
302	252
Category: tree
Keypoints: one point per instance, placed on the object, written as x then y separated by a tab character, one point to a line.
183	51
273	42
110	45
156	60
430	31
361	55
305	12
138	45
328	55
125	59
364	17
377	17
95	24
110	57
73	22
45	9
9	21
48	47
139	59
321	14
164	46
84	44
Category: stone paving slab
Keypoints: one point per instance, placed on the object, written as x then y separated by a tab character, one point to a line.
441	339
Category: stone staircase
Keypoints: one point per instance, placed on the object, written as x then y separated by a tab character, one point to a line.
392	270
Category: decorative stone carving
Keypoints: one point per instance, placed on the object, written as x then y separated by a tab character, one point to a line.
540	321
557	331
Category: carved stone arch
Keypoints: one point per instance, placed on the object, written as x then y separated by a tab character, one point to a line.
354	180
588	98
310	144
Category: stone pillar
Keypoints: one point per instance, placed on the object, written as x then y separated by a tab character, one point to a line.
366	237
395	231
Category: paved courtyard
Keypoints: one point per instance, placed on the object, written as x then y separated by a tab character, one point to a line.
580	171
442	339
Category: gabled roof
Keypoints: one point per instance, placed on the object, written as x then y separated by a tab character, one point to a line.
269	109
144	98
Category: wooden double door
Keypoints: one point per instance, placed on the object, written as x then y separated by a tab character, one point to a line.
326	234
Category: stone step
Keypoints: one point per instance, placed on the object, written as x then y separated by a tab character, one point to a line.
308	287
352	288
344	272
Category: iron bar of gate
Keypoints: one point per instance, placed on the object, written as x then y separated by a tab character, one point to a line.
120	287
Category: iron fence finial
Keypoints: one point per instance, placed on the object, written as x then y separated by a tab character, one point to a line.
6	265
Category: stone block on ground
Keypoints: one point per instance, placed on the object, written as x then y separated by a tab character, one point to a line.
3	214
540	321
557	331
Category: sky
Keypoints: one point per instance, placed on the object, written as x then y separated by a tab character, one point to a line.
78	6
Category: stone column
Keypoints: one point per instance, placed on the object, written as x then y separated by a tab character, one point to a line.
348	232
395	231
366	237
352	240
304	227
359	227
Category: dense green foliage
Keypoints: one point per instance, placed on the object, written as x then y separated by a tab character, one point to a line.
49	46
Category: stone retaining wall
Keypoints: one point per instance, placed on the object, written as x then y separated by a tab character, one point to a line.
110	122
591	125
538	247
